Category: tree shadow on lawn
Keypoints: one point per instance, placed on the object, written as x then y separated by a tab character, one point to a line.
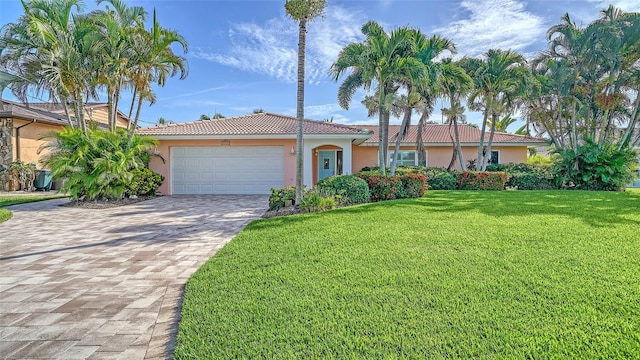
597	209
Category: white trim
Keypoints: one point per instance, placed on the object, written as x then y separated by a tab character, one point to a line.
310	144
448	144
499	155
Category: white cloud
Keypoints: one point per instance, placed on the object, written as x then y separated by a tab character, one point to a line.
626	5
272	48
502	24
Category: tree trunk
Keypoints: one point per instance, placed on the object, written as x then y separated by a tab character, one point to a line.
628	134
454	153
422	161
302	33
487	155
383	130
66	112
406	121
463	167
484	128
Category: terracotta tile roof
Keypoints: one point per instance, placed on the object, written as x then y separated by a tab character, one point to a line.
439	134
253	124
58	108
17	110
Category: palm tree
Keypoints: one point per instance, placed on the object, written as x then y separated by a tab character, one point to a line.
113	30
301	11
426	76
153	61
381	59
498	80
48	48
454	84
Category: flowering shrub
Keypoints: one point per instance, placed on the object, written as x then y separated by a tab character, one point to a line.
414	185
383	187
394	187
478	180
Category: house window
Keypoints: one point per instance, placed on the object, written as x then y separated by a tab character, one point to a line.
405	158
495	156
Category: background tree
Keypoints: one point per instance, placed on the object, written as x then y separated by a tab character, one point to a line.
301	11
258	111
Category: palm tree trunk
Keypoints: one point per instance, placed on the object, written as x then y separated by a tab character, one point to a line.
66	112
463	167
422	161
383	131
302	32
487	156
482	131
406	121
454	153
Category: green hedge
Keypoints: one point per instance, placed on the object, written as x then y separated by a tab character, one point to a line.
347	189
482	180
530	181
144	182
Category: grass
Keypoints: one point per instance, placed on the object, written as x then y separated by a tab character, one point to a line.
452	275
5	214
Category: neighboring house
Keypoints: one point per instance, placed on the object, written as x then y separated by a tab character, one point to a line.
253	153
22	127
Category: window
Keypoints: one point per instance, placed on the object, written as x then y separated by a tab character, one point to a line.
495	156
405	158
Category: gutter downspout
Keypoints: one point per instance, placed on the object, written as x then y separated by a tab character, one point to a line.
18	137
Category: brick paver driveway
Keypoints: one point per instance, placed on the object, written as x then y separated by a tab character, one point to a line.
106	283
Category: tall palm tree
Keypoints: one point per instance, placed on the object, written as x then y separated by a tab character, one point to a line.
454	84
113	29
50	49
301	11
380	59
153	61
498	78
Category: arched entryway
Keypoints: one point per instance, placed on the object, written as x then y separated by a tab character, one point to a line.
327	161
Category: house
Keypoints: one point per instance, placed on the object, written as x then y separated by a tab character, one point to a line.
22	127
253	153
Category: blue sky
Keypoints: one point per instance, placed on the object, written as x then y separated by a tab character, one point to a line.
243	54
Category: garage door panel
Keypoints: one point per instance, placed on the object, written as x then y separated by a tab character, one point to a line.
226	170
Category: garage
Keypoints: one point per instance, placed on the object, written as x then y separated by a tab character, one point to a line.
226	169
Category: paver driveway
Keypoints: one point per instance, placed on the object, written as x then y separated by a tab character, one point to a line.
107	283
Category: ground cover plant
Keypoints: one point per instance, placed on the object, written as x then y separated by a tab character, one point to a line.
5	214
455	274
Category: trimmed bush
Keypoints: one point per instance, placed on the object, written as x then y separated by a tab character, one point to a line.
443	181
482	180
144	182
495	167
530	181
278	197
347	189
383	187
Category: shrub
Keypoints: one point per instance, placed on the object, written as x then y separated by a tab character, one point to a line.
495	167
314	200
481	180
540	159
414	185
530	181
279	197
443	181
595	167
383	187
347	189
144	182
97	164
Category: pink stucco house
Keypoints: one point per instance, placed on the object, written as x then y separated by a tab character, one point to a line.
253	153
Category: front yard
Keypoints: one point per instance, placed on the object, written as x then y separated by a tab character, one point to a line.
451	275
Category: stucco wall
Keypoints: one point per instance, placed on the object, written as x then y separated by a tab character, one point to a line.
30	141
439	156
164	146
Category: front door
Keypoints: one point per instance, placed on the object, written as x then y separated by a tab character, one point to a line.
326	164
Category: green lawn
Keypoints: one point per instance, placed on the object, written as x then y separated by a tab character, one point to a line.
513	274
8	200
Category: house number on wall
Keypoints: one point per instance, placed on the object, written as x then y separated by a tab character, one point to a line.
225	142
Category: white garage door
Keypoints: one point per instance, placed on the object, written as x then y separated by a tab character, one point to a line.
226	169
